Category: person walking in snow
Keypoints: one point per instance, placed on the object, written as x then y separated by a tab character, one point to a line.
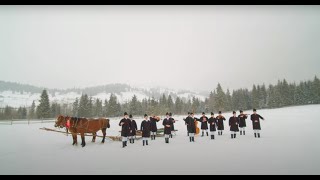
134	129
242	122
220	124
167	123
146	129
234	125
255	118
212	123
126	128
204	124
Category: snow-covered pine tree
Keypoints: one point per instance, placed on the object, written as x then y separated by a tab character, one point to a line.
43	110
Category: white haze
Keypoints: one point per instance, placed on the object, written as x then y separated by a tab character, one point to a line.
181	47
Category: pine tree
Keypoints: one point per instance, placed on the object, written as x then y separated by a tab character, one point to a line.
316	90
53	110
262	96
43	110
211	101
8	112
255	97
105	107
83	110
163	105
32	110
90	107
228	105
98	109
24	113
170	103
75	108
113	106
220	99
134	106
285	93
178	106
195	105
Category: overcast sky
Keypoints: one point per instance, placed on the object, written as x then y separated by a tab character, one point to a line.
186	47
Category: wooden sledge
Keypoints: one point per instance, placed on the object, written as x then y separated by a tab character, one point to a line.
113	138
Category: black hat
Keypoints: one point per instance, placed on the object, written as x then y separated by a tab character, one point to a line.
212	113
219	112
125	113
254	110
189	113
170	114
203	113
130	116
145	115
167	114
234	112
241	111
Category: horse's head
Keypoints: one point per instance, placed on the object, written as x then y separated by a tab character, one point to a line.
60	122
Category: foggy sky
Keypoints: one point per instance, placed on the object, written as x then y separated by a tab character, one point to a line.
186	47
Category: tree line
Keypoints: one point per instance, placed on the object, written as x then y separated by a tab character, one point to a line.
259	97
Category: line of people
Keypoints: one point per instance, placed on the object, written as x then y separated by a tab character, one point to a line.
236	124
149	126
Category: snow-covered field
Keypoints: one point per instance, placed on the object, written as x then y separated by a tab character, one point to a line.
289	145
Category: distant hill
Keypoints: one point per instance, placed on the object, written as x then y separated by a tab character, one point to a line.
16	94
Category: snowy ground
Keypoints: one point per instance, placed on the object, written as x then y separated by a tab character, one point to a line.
289	145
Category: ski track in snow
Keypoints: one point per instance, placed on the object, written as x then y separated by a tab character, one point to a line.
289	144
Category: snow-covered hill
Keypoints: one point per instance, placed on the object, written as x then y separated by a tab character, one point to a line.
24	98
289	144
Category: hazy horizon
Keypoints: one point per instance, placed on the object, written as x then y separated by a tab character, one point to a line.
177	47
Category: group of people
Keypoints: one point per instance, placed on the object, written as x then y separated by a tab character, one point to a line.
236	124
149	126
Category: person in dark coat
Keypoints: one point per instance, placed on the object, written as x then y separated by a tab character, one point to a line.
242	122
146	129
126	128
212	122
134	129
154	127
255	118
172	126
204	124
190	121
185	122
220	124
167	123
234	125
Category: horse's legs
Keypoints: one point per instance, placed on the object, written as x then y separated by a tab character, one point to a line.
94	135
83	143
74	136
104	135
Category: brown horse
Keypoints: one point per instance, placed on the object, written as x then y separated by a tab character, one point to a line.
83	125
